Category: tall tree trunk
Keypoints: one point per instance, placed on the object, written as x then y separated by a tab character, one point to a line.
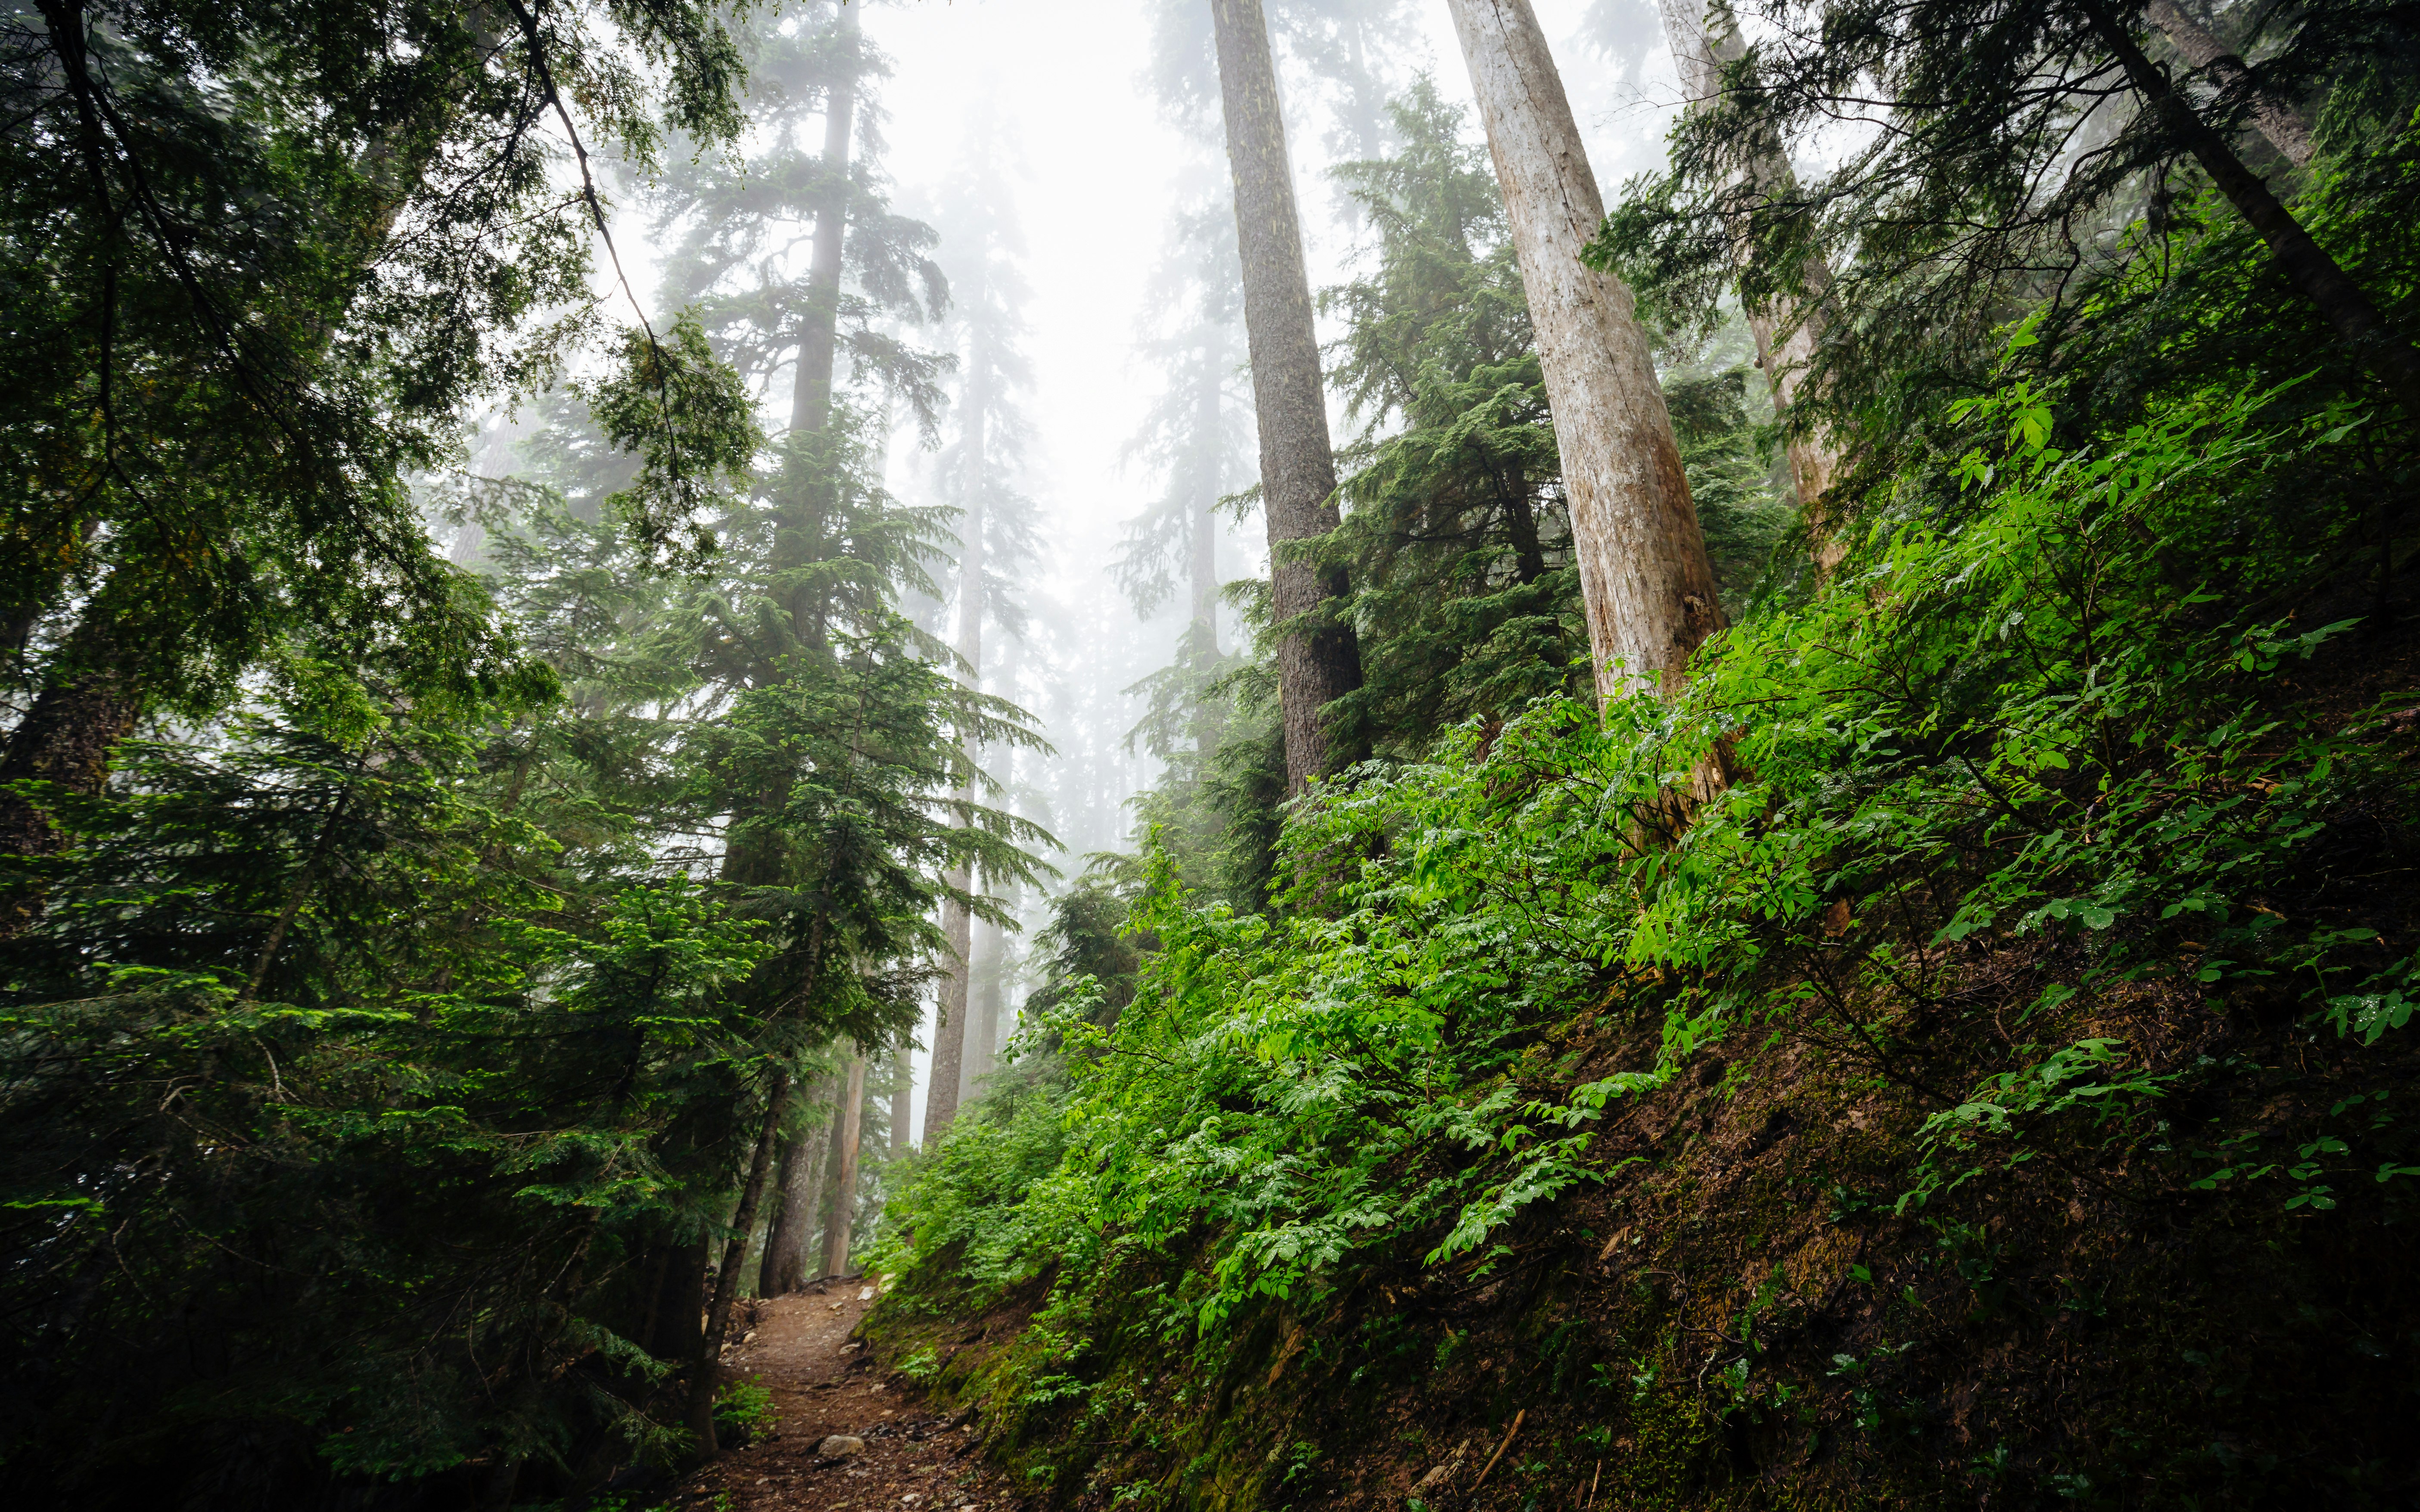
1201	535
1648	586
992	940
1319	660
678	1306
2315	275
2287	129
65	738
709	1374
983	1012
844	1190
957	924
1786	331
818	343
797	1192
903	1095
809	487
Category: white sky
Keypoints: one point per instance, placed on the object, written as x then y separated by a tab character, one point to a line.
1066	79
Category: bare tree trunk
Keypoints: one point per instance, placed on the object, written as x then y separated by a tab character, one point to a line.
1201	553
844	1191
707	1376
678	1306
992	940
1648	586
2318	277
903	1094
1320	660
1786	331
798	1192
811	399
982	1018
2287	129
957	925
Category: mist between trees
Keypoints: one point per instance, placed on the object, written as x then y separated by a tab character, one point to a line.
578	752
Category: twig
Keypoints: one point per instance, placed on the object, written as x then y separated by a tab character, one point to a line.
1500	1448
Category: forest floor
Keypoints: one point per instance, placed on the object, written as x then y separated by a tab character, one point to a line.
826	1385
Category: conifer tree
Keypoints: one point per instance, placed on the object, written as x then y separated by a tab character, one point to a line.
277	258
1318	660
995	532
1705	40
1458	544
1975	201
1644	573
1192	436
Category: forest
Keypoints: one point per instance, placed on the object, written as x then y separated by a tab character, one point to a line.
1210	754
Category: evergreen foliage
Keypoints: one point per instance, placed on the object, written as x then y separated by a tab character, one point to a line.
2088	756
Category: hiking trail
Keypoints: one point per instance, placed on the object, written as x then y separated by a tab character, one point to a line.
824	1386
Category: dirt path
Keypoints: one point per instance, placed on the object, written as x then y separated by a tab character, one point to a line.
824	1385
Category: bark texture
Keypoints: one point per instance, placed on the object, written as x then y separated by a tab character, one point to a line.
843	1200
706	1376
1648	586
798	1194
2287	129
1319	660
65	738
2315	275
1787	332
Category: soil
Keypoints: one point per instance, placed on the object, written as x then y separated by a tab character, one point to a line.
825	1384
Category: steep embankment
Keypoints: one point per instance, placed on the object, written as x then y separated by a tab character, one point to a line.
1738	1317
1995	1096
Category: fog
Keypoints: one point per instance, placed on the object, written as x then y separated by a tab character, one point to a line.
1057	106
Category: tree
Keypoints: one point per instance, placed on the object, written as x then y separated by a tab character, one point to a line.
2287	129
278	257
2025	154
1458	545
844	1194
1192	436
1318	660
995	529
1787	328
1644	574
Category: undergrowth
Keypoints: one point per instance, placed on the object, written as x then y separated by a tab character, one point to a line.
1998	831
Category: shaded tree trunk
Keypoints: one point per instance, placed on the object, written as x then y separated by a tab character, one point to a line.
65	738
1787	333
1319	659
2287	129
843	1200
678	1306
1648	586
798	1194
708	1372
2306	265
